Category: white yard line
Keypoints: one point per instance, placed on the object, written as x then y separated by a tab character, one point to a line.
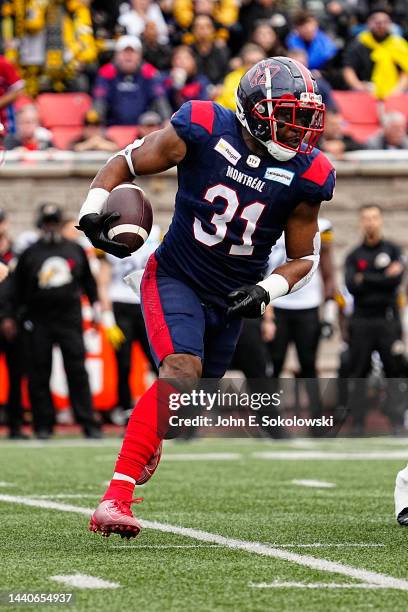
329	455
257	548
318	484
83	581
6	484
315	585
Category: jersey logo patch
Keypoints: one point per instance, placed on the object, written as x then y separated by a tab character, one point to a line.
228	151
279	175
253	161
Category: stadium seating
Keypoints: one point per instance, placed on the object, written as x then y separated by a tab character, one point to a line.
397	103
63	109
360	112
63	136
122	134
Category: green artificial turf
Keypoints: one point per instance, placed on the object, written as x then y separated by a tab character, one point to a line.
246	498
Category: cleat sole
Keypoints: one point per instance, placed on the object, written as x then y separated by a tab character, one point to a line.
125	531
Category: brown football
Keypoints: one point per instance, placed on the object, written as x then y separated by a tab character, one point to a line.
136	215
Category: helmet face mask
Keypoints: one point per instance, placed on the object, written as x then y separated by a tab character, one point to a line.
279	104
292	124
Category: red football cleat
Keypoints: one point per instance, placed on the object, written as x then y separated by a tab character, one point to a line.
115	516
151	467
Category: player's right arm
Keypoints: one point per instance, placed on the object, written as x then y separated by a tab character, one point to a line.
159	151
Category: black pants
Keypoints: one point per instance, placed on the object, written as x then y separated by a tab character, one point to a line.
13	353
366	336
65	331
129	318
251	354
302	327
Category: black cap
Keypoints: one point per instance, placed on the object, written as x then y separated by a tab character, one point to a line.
49	213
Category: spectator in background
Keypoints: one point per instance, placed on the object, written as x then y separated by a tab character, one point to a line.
93	137
393	134
184	83
373	272
377	60
212	59
105	15
334	141
304	316
265	37
224	12
56	48
11	86
148	122
252	11
30	135
250	55
141	12
154	52
127	87
4	271
324	86
49	279
307	35
10	338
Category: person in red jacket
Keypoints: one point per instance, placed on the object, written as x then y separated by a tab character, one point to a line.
11	85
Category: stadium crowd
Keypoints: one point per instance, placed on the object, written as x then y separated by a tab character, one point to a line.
137	62
129	66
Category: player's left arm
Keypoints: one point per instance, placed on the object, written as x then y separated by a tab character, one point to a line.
302	240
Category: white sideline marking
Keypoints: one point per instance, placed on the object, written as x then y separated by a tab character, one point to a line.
136	545
318	484
83	581
257	548
6	484
331	545
315	585
328	455
187	457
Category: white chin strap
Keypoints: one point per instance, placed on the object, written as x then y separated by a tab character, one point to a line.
277	151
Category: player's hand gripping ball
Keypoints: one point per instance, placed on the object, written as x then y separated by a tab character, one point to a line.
134	223
124	224
249	302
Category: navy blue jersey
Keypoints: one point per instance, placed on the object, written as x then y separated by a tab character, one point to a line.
231	205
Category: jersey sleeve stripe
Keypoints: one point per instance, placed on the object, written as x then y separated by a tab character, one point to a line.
202	113
318	170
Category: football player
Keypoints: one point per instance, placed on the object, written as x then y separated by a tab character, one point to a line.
243	179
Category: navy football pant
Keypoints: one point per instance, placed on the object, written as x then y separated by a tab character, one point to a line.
177	322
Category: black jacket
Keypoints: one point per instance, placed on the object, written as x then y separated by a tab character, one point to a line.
374	292
50	278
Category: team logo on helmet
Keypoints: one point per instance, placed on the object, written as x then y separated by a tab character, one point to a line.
259	73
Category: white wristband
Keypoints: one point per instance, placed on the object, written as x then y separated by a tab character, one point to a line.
276	285
94	202
108	319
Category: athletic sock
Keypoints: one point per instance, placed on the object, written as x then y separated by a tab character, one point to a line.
147	427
